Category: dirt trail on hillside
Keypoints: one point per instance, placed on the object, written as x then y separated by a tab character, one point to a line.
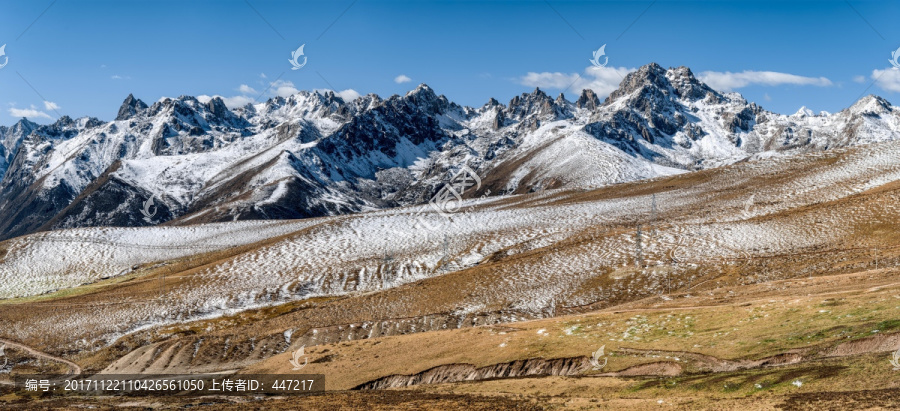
74	369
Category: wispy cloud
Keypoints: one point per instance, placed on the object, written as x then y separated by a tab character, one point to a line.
32	112
49	105
602	80
728	81
402	79
282	88
887	79
245	89
118	77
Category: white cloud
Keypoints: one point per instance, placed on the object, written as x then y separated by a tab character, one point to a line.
32	112
729	81
118	77
602	80
859	79
402	79
767	97
282	88
888	79
348	94
262	75
49	105
237	101
245	89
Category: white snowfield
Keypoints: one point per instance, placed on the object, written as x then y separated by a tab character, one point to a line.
712	219
44	262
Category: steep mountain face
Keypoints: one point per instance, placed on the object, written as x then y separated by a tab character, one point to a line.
181	161
10	140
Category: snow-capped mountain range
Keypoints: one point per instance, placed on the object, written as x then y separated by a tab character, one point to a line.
185	160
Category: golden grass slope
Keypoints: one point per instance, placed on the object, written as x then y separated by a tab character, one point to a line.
824	223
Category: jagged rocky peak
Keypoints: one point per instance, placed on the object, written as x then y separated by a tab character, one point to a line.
561	100
588	100
525	105
130	107
187	101
11	137
804	112
64	122
687	86
310	100
652	79
495	109
303	104
536	96
871	105
274	103
247	109
651	76
163	105
21	127
422	90
331	99
531	109
367	102
63	128
425	98
217	107
190	110
491	103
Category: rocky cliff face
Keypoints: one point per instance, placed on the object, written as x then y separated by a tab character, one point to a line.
10	140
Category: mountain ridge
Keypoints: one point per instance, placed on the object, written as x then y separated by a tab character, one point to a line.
314	154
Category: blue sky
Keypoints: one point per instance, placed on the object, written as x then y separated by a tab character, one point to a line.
83	58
